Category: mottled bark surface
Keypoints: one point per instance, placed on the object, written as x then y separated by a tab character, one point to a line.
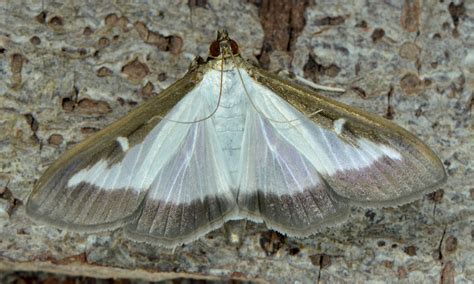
68	69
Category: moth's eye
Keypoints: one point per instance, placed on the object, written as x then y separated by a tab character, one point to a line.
234	46
215	49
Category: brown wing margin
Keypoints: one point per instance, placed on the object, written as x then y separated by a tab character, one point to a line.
52	202
387	182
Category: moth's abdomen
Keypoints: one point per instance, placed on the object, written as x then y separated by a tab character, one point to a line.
229	122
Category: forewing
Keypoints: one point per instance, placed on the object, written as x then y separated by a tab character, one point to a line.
92	187
365	159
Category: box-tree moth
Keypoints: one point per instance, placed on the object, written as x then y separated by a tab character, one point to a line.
231	141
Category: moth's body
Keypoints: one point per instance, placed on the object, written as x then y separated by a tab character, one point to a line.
232	141
229	119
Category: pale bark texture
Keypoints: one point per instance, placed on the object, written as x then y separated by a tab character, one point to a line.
69	68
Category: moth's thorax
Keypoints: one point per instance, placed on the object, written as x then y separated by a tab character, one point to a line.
229	119
227	64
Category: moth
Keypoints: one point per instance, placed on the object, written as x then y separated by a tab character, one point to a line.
231	141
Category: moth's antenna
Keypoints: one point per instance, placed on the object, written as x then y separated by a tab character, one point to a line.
198	120
191	15
256	108
211	114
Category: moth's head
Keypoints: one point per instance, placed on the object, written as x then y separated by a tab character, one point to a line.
223	47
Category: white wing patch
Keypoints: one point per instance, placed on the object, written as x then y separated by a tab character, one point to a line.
123	142
339	125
